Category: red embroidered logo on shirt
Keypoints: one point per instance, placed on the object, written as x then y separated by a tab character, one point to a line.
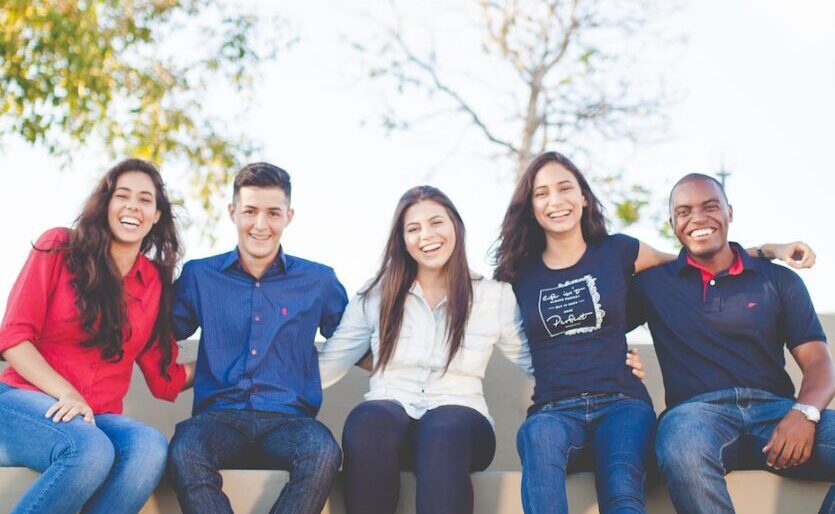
284	311
751	305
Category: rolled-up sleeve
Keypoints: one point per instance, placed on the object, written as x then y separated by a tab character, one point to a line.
28	302
161	387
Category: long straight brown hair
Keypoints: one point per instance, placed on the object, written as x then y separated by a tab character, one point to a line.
398	272
522	237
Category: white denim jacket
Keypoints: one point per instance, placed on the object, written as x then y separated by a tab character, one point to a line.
414	376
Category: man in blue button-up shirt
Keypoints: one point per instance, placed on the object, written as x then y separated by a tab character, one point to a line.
720	321
257	388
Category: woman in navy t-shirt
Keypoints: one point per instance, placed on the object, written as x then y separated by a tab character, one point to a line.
571	280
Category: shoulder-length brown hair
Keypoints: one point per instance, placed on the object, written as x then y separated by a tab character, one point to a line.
521	235
96	279
398	272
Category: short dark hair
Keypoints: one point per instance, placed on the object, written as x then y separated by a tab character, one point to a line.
695	177
261	174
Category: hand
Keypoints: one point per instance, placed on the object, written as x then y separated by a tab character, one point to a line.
68	406
791	441
634	360
797	254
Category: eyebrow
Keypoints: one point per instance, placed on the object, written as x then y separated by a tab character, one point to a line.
247	206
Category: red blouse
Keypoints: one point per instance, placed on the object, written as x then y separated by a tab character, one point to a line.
41	309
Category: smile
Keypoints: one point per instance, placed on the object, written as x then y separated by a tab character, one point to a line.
130	221
431	247
701	233
559	214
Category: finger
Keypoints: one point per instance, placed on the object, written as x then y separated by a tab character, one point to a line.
639	373
805	454
52	409
774	450
88	416
71	413
632	351
60	413
782	460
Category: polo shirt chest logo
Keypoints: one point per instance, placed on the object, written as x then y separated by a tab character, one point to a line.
572	307
284	311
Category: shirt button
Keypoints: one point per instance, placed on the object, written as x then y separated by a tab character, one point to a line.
254	351
257	318
258	284
713	282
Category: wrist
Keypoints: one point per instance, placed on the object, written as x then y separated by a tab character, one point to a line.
810	412
766	251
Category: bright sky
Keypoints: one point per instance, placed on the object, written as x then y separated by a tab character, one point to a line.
757	78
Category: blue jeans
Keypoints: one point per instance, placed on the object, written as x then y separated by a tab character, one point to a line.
112	466
442	448
701	440
614	430
217	439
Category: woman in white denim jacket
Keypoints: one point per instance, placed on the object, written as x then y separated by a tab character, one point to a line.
431	325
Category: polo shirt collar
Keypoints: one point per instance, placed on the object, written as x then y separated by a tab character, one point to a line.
742	263
278	266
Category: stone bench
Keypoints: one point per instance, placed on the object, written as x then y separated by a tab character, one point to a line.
508	393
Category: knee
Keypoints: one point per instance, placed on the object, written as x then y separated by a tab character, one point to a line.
320	451
149	449
366	424
88	451
682	447
184	452
543	437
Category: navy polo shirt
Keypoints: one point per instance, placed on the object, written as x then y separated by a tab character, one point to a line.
575	321
256	341
725	331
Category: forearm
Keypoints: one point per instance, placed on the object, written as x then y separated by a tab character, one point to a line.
818	386
30	364
189	367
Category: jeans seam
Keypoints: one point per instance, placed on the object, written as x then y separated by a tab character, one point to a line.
67	439
722	450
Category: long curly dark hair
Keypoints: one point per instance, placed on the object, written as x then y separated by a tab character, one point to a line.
521	235
97	281
399	271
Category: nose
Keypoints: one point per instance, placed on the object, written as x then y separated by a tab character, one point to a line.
698	215
261	220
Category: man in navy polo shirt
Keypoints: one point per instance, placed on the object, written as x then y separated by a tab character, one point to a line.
257	388
719	320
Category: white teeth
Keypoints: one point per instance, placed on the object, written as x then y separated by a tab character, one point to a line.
430	247
259	238
129	220
702	232
559	214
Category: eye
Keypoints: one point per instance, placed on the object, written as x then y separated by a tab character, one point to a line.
712	208
411	229
121	196
539	194
566	188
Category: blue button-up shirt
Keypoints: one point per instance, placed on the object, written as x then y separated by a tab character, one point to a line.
256	341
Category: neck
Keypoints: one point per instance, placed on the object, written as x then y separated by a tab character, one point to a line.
720	261
124	256
564	249
257	266
433	280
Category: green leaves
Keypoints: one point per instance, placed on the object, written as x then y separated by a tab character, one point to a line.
117	72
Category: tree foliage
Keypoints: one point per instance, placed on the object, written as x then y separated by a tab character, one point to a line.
554	74
134	76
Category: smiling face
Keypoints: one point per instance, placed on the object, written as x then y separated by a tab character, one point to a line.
429	235
700	215
132	210
557	200
260	215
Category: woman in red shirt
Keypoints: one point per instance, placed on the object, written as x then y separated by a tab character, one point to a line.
89	303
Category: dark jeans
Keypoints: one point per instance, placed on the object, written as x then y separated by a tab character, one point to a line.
442	448
614	430
701	440
243	438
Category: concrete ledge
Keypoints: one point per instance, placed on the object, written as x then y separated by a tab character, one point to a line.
496	492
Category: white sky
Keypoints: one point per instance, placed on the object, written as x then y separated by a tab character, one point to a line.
758	78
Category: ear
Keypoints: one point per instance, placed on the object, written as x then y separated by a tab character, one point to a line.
290	213
730	213
231	208
156	216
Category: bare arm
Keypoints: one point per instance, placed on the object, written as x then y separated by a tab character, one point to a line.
797	255
792	440
189	367
30	364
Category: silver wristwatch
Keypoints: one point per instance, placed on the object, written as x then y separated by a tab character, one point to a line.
809	411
